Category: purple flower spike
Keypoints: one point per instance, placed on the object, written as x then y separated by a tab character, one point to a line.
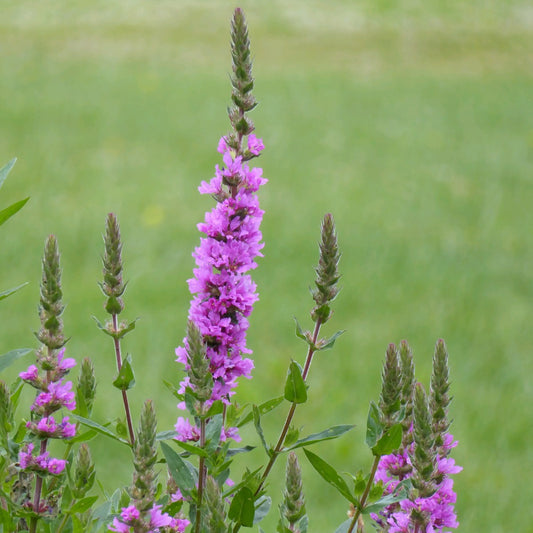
223	291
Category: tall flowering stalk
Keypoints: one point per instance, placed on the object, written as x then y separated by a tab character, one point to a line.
54	392
423	458
224	292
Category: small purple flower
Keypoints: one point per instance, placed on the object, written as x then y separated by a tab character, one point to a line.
31	375
56	466
26	456
255	145
58	395
157	518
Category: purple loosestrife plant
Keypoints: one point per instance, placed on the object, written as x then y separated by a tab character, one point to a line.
54	392
224	292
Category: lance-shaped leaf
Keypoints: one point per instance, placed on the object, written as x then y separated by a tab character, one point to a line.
166	435
328	434
4	171
264	408
8	212
300	333
389	442
374	427
178	469
212	433
242	508
259	429
9	292
262	506
326	344
295	389
401	493
192	449
330	475
126	378
10	357
98	427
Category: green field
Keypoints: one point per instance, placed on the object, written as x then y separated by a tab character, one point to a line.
412	122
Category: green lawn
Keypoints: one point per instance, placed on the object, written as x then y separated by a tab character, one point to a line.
410	121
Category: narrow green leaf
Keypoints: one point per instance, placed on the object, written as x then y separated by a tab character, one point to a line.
212	433
4	171
83	437
9	292
129	327
262	507
389	442
374	427
10	357
173	389
259	429
242	508
97	427
386	500
331	341
344	527
328	434
300	333
247	478
330	475
8	212
295	389
166	435
126	378
178	468
234	451
192	449
83	505
264	408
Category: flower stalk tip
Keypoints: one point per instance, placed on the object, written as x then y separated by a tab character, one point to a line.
113	286
293	506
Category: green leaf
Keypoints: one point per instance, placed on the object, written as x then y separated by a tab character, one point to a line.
344	527
192	449
389	442
6	520
217	408
330	475
388	499
327	344
374	427
8	212
178	468
291	437
212	433
328	434
166	435
259	429
262	507
234	451
97	427
10	357
9	292
83	505
242	508
126	378
300	333
83	437
295	389
4	171
173	389
264	408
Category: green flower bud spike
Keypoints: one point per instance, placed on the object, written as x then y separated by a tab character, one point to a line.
391	388
6	413
242	82
144	458
216	515
424	456
112	286
293	506
86	387
50	306
439	400
408	387
199	374
84	474
327	274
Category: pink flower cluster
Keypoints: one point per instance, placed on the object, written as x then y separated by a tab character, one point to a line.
130	521
41	464
438	508
54	394
224	293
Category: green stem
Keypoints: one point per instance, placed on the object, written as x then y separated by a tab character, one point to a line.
124	394
201	477
279	445
364	497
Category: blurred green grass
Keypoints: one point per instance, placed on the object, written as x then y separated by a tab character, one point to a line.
410	121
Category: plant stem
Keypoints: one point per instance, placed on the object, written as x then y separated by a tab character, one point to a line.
288	420
38	489
364	497
124	393
201	477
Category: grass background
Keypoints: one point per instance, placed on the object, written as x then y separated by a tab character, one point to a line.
410	121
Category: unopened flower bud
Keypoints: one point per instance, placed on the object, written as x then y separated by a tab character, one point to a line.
113	286
293	505
84	473
391	387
